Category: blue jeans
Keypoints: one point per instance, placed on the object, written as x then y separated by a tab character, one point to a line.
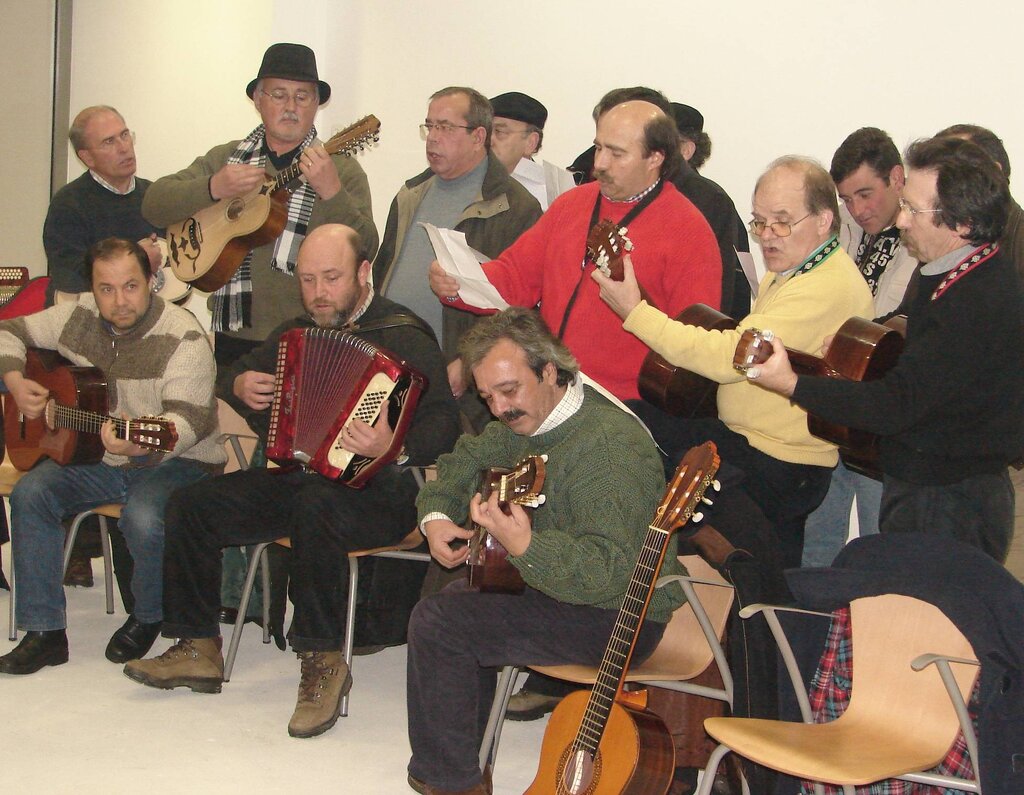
49	493
829	524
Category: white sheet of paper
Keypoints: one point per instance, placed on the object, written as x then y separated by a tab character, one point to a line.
749	270
544	180
459	260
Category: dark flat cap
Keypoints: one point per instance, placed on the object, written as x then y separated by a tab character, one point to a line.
514	105
687	117
290	62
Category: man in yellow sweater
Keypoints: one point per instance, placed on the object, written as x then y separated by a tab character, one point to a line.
810	289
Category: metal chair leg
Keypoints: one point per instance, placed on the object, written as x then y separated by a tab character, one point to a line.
108	564
12	627
243	607
492	733
350	622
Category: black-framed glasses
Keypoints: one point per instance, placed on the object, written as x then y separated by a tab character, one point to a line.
779	228
441	128
905	205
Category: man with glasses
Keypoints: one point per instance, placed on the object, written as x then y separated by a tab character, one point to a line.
287	93
517	136
868	172
105	201
950	412
465	187
810	289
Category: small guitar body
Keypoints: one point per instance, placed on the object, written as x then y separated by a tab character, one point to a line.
636	755
488	568
678	391
29	441
69	427
209	246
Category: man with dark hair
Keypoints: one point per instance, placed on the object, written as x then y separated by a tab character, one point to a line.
1012	241
157	362
603	478
287	93
518	133
811	288
950	412
465	187
324	519
868	173
674	250
696	143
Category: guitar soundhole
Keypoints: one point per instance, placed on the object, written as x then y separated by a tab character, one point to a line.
235	209
578	772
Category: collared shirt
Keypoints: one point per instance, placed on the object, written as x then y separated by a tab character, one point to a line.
111	188
570	403
947	262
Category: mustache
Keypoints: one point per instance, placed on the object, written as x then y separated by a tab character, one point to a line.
289	115
512	415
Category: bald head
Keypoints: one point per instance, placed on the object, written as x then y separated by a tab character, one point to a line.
636	144
333	274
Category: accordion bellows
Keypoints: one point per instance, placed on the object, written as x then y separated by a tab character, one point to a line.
326	379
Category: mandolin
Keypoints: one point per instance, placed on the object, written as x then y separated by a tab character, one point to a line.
207	248
603	741
68	429
488	565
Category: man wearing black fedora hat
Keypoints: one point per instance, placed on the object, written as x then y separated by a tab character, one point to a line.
287	92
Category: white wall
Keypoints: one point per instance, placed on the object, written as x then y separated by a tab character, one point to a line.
786	77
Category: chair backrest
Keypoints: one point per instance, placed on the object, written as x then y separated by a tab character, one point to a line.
888	632
683	652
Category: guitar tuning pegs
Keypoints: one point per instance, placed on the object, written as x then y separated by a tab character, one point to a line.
544	458
541	499
706	501
697	517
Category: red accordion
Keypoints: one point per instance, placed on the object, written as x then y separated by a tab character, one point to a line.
326	379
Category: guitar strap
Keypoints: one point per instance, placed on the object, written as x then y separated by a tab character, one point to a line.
394	320
967	264
627	219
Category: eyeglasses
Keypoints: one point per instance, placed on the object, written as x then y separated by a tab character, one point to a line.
108	144
779	228
279	96
441	128
905	205
501	133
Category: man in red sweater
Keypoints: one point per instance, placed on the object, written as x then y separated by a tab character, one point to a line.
675	254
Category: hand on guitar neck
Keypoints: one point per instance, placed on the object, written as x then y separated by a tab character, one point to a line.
511	526
621	296
113	444
609	249
774	373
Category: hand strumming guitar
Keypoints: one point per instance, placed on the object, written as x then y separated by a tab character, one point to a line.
236	179
623	296
441	534
30	395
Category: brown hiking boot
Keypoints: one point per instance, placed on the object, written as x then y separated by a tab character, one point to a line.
195	663
324	680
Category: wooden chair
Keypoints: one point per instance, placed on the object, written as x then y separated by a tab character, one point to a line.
9	476
912	673
691	643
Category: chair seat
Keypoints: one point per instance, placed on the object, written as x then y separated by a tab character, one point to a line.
111	510
9	476
834	752
411	541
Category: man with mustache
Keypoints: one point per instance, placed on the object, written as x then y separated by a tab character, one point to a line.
868	172
465	187
603	479
287	93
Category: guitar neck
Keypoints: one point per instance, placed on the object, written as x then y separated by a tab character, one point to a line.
76	419
619	651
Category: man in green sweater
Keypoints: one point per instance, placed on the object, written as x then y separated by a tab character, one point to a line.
575	552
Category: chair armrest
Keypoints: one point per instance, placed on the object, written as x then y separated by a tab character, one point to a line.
235	441
785	649
941	662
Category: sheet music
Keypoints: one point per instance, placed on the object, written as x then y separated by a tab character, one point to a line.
462	262
749	269
544	180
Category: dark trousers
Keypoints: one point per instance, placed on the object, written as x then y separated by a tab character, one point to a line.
786	493
458	638
977	510
323	519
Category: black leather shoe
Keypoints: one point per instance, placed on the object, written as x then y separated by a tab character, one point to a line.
36	651
132	641
229	615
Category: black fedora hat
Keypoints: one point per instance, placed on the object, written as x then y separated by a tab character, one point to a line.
290	62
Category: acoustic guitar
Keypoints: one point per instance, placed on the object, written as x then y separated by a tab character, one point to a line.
488	565
68	429
607	244
207	248
604	742
860	351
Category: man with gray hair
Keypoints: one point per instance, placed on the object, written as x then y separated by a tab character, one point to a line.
105	201
810	289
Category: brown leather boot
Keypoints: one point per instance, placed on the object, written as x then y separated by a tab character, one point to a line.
195	663
323	682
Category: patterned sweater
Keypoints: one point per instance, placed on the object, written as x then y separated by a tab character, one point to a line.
602	484
163	367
